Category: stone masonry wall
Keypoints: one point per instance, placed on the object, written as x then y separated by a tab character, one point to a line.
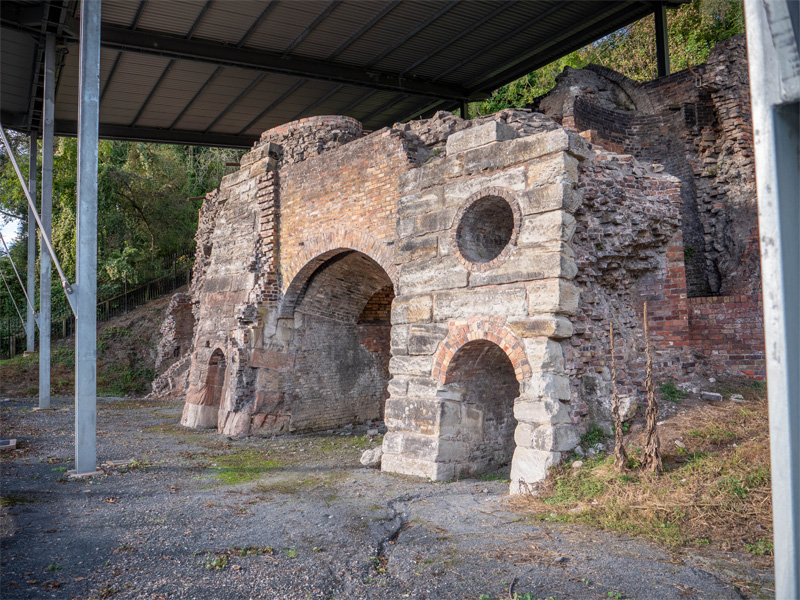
456	279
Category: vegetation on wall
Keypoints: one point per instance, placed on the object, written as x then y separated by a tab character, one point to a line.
694	29
143	208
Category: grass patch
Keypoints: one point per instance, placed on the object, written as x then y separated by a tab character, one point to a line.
712	493
242	466
595	435
14	500
122	380
671	393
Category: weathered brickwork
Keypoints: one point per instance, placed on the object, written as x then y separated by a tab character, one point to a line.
456	279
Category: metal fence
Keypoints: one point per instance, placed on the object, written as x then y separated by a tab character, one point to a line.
62	324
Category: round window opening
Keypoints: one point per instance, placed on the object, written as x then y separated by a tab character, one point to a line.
485	229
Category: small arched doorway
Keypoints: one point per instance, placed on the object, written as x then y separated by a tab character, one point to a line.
482	376
215	380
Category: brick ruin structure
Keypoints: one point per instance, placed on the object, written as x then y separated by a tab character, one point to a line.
456	279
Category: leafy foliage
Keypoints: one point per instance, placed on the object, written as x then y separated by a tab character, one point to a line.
143	211
694	29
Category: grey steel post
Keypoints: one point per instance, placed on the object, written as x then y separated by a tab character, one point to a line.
47	219
662	40
86	255
30	323
772	48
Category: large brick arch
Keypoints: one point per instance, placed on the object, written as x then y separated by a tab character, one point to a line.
480	328
317	250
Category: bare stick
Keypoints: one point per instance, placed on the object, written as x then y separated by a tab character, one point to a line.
652	447
620	456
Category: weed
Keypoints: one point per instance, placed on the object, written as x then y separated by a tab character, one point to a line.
688	253
250	550
291	552
615	595
216	563
762	547
59	469
672	393
494	476
107	591
595	435
53	567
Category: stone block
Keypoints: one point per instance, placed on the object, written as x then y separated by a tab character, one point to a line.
415	415
553	296
422	386
432	173
410	365
529	466
474	137
556	168
437	220
437	274
405	465
421	203
531	409
526	264
547	385
508	301
423	339
409	181
393	442
545	227
550	197
544	354
457	192
399	343
555	438
397	387
417	248
528	148
553	326
450	451
412	309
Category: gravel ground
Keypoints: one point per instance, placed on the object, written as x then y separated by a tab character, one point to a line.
199	516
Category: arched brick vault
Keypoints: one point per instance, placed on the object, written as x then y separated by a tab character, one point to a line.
480	328
317	250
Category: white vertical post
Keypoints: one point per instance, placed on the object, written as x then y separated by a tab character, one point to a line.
86	255
776	133
30	323
48	121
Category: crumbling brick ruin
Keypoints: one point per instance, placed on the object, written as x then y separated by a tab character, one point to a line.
456	279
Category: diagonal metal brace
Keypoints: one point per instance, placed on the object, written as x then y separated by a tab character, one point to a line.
68	288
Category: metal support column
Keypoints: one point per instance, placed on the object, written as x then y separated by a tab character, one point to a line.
773	51
48	123
662	40
30	323
86	255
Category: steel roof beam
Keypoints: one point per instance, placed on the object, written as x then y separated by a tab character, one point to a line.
321	17
163	136
247	58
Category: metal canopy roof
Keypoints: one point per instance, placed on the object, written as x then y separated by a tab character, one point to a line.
219	72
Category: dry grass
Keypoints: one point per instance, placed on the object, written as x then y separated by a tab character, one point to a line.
715	490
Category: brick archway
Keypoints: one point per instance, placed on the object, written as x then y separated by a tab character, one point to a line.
487	328
335	240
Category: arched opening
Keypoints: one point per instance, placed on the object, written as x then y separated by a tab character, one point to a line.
215	380
342	324
201	410
482	376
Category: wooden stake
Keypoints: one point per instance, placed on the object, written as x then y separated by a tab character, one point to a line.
620	456
652	446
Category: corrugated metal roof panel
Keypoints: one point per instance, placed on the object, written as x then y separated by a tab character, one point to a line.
421	38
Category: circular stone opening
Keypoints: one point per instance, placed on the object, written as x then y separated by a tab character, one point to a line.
485	229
